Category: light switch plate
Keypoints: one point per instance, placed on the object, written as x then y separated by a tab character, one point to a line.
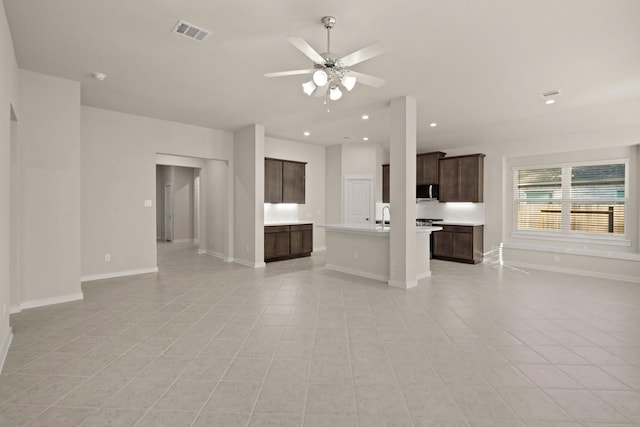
148	203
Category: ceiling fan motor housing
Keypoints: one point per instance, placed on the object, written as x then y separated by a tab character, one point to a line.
329	22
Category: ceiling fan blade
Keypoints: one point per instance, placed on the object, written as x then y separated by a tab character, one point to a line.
321	91
288	73
305	48
366	79
363	54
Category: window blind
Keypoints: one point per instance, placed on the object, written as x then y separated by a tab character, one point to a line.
571	198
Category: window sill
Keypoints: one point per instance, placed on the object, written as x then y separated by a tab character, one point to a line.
627	256
585	239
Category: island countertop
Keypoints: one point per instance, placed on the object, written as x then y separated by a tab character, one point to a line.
293	222
376	231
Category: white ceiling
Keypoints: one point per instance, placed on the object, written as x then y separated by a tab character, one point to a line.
476	67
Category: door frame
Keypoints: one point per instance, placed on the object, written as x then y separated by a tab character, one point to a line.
168	213
347	179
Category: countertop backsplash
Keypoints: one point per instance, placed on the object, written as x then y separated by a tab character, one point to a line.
451	212
280	212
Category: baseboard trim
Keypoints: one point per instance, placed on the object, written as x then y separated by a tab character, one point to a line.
355	272
5	348
45	301
184	241
402	284
250	264
220	255
423	275
92	277
575	271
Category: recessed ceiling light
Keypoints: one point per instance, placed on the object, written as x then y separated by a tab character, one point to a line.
307	134
434	124
365	138
365	117
550	101
99	76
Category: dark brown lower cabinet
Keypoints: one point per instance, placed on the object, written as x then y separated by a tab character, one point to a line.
276	242
287	241
301	238
462	243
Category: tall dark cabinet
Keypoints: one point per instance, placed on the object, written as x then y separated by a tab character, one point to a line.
461	178
385	183
284	181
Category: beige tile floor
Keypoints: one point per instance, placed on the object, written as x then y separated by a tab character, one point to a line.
205	343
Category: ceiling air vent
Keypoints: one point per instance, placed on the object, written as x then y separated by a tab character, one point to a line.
550	94
191	31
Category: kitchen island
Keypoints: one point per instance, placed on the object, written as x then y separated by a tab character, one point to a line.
364	250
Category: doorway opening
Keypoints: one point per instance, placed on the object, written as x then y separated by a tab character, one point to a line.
194	208
177	218
15	222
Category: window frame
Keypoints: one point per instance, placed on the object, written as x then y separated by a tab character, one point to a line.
565	201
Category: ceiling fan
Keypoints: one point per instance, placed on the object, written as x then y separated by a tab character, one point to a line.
331	71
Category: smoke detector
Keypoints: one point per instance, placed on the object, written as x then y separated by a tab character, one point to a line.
191	31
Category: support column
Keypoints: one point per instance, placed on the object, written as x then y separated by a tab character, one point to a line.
248	156
402	160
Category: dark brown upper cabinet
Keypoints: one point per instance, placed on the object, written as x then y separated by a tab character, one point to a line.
427	165
461	178
272	181
385	183
284	181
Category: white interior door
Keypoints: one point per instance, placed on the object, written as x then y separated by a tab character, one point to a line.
168	214
358	196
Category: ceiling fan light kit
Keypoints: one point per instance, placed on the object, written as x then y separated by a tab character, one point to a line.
331	71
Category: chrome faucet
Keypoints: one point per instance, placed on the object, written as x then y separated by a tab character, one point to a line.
389	210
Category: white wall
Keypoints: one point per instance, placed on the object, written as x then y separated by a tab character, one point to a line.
49	137
8	97
314	156
248	146
351	160
216	210
163	177
183	203
118	174
333	182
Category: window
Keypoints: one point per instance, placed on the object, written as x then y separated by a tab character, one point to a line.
572	199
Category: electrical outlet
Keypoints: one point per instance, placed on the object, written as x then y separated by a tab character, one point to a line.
148	203
356	255
556	258
107	257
